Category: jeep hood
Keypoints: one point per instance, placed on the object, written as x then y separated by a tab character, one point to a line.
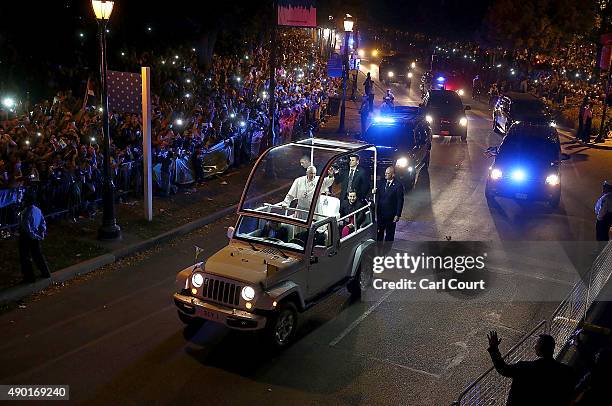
241	263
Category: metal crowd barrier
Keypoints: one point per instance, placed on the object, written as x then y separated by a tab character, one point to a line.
573	310
490	388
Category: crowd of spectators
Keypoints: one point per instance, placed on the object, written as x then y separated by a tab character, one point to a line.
54	145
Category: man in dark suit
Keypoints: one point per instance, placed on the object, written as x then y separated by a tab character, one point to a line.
389	204
273	229
354	178
544	381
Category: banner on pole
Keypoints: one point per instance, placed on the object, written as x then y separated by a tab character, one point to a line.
124	92
297	13
334	66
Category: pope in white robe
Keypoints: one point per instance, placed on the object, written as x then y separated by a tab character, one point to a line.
303	189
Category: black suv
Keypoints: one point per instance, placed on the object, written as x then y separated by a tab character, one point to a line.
395	69
445	112
514	108
526	165
403	140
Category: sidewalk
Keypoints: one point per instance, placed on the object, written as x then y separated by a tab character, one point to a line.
72	248
570	134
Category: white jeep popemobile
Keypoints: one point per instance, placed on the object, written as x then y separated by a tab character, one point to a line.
288	250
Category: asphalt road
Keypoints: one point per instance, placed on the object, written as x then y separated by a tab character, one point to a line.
449	200
115	339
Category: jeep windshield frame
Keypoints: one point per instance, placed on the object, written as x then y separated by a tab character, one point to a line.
323	152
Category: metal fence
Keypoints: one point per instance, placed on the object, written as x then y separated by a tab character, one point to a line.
573	310
490	388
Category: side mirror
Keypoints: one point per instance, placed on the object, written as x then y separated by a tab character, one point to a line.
230	232
565	157
466	108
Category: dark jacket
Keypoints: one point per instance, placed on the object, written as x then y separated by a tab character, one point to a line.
346	208
281	233
389	201
544	381
360	183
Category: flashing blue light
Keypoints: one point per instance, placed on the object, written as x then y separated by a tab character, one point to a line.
518	175
388	120
440	79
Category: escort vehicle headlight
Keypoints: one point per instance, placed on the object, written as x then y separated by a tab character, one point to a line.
460	92
553	179
496	174
463	121
390	74
402	162
197	280
248	293
429	119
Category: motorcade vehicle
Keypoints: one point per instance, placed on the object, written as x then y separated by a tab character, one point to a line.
290	247
527	165
445	113
514	108
403	140
396	69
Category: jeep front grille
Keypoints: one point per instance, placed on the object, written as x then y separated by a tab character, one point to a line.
221	291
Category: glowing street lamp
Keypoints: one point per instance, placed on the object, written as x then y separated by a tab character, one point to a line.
109	229
348	28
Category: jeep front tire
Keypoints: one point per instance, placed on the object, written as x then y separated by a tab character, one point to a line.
282	325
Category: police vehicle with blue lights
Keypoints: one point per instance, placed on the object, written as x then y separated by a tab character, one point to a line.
403	140
526	165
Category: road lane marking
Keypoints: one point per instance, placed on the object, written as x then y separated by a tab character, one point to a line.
39	367
395	364
360	319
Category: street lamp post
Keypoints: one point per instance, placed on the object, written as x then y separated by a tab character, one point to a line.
348	28
109	229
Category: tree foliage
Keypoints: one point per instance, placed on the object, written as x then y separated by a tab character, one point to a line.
539	25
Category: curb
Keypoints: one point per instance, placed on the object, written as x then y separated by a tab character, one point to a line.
584	144
90	265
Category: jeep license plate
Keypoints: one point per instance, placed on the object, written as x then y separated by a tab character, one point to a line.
210	315
521	196
444	132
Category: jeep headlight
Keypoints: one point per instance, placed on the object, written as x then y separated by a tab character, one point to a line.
197	280
390	74
429	119
248	293
463	121
402	162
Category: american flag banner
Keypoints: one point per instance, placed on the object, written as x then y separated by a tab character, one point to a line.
124	92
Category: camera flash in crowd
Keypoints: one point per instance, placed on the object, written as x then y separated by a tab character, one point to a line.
242	124
179	121
188	81
175	56
93	139
188	95
38	134
163	62
232	115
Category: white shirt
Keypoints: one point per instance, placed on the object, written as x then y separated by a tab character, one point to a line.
603	206
303	189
